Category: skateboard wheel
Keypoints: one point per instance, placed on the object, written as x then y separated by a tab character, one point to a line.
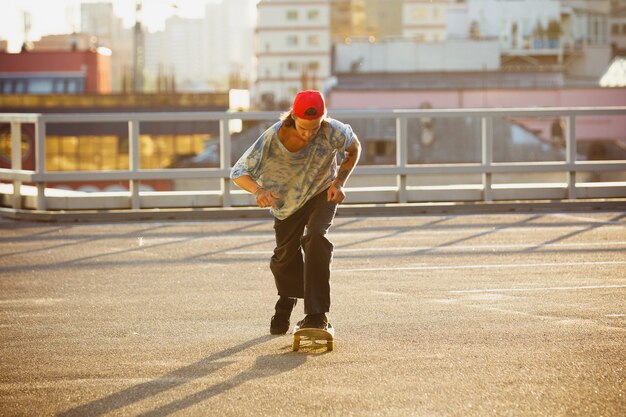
330	345
296	344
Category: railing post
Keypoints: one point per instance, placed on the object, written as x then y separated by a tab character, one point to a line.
401	157
225	161
486	129
133	160
16	162
570	155
40	162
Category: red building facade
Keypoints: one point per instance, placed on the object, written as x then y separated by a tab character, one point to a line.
56	72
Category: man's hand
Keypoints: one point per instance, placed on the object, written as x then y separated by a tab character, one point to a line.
265	198
335	193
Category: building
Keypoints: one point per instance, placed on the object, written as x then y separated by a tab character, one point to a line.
471	43
179	52
47	72
213	53
495	53
99	22
231	42
487	44
293	49
65	42
566	36
618	28
99	27
375	19
402	56
426	21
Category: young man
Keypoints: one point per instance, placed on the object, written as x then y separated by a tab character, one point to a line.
292	169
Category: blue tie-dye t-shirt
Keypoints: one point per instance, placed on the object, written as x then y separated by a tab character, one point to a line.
294	176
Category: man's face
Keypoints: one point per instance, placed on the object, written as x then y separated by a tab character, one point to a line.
307	129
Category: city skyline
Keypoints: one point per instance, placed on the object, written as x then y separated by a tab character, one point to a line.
50	17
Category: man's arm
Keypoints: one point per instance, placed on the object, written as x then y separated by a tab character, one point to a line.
352	154
264	198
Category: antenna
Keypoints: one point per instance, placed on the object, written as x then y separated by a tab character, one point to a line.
27	26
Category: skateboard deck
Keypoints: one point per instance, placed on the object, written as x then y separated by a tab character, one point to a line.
311	336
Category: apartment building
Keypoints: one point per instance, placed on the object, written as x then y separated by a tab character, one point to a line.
210	53
179	51
293	49
425	20
295	40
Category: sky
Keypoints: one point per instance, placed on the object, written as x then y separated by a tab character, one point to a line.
63	16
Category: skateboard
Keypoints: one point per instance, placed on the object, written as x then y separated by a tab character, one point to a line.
312	335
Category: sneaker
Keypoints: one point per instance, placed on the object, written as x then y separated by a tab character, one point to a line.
280	321
314	321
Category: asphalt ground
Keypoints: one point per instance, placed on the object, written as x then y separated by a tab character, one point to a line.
451	315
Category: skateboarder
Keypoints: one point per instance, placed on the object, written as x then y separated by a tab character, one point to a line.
292	170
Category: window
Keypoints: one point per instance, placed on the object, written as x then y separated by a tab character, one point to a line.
72	86
292	66
59	86
20	87
314	40
43	86
46	85
292	40
314	14
380	147
419	13
292	15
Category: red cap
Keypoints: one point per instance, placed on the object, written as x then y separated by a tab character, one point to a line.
309	105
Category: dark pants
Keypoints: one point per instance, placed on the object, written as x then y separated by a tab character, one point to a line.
301	262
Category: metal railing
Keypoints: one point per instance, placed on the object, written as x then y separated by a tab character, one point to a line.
15	198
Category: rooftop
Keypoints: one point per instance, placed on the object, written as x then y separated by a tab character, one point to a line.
491	314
